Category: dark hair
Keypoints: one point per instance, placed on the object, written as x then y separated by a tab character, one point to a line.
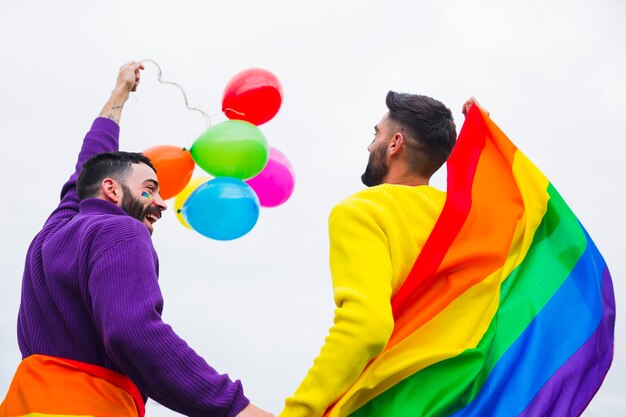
114	165
429	124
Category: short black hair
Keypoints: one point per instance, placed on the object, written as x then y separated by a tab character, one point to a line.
428	122
114	165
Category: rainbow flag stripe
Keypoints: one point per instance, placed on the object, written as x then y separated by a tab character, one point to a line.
508	310
48	386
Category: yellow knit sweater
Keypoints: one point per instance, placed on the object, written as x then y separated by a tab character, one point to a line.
375	237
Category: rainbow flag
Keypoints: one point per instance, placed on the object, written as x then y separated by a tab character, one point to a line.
509	309
48	386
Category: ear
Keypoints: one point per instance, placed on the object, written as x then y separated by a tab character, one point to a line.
395	143
110	190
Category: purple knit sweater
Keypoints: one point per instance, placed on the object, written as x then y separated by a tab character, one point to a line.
90	293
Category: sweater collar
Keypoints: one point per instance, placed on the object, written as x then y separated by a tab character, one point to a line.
99	206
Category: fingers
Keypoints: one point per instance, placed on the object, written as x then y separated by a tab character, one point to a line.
469	103
132	65
137	77
130	75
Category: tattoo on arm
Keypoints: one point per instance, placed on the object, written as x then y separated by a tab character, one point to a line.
112	110
115	112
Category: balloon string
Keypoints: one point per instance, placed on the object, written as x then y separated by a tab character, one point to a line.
234	111
207	118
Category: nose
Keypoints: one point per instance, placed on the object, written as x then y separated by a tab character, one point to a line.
160	203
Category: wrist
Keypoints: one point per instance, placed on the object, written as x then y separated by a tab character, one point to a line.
120	94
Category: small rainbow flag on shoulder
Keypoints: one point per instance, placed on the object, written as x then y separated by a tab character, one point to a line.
509	309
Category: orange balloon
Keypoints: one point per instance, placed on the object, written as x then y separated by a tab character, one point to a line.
174	167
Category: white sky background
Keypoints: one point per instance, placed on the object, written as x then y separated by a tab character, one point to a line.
258	308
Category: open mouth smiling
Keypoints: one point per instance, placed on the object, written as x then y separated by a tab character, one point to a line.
151	218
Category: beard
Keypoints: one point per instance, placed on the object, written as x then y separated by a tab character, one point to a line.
376	169
135	207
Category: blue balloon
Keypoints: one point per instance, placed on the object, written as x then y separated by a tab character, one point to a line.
224	208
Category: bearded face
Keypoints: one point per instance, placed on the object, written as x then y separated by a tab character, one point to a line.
142	209
376	169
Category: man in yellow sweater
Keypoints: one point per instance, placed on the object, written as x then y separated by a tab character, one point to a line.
375	237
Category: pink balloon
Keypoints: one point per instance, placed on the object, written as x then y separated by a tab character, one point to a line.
274	184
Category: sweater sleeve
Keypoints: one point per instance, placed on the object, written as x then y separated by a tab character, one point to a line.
102	137
363	321
126	302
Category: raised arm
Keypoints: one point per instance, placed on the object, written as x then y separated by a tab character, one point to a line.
127	81
103	136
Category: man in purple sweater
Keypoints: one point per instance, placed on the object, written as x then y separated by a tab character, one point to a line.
89	325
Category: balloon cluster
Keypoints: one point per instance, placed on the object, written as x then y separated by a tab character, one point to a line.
247	173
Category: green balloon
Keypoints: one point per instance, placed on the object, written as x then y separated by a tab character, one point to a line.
233	148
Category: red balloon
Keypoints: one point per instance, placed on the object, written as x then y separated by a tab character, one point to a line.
174	167
253	95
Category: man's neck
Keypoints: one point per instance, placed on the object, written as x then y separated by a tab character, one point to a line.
405	177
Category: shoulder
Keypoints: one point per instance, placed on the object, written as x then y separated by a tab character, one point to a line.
386	197
367	199
386	192
126	227
367	207
389	203
106	231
